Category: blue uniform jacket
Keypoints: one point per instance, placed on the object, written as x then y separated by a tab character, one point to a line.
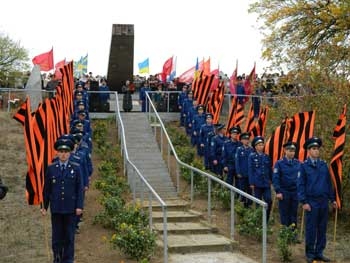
216	146
63	191
241	160
285	175
259	170
314	184
229	152
204	133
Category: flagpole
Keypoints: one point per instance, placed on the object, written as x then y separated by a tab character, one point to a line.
302	224
335	231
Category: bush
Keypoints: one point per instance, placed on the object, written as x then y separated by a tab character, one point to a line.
286	237
135	241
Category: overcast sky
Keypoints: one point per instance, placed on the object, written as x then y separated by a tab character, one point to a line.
222	30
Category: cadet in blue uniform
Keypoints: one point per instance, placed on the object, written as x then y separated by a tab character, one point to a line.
186	108
241	159
284	180
63	191
215	149
197	122
229	152
315	190
206	132
260	173
180	100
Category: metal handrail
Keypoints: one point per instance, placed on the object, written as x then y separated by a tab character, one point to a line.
153	112
152	192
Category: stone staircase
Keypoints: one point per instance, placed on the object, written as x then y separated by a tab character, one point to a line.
188	233
186	229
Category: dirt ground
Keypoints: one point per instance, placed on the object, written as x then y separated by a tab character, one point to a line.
25	234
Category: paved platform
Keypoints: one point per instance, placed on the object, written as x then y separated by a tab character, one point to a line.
213	257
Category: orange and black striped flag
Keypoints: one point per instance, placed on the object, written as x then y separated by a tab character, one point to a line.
196	83
204	88
20	114
336	164
250	122
236	115
274	144
260	125
300	128
34	178
215	101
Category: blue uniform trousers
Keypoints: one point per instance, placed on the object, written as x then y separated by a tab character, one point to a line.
243	184
315	231
63	233
231	173
264	193
288	208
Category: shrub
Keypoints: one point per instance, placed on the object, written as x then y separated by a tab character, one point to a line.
134	241
286	237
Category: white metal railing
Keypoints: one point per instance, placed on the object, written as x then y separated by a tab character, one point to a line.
133	174
154	117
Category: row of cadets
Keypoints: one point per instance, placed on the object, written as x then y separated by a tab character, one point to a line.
292	181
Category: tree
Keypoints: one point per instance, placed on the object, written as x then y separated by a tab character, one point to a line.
13	61
311	33
311	38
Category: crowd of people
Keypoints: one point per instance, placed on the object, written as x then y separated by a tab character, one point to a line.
68	178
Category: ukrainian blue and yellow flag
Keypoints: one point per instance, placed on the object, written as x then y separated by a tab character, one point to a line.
144	66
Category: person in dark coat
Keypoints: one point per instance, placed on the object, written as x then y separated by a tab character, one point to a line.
284	180
315	191
63	192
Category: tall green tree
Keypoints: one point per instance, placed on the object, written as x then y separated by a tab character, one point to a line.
308	33
13	61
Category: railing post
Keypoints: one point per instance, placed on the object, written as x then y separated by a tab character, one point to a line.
264	234
209	200
192	187
232	214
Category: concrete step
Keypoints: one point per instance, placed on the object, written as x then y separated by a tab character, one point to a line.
212	257
192	243
185	228
177	216
172	205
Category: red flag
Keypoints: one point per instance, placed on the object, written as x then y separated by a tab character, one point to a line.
216	80
206	67
168	65
336	164
233	80
45	60
189	75
58	65
249	82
